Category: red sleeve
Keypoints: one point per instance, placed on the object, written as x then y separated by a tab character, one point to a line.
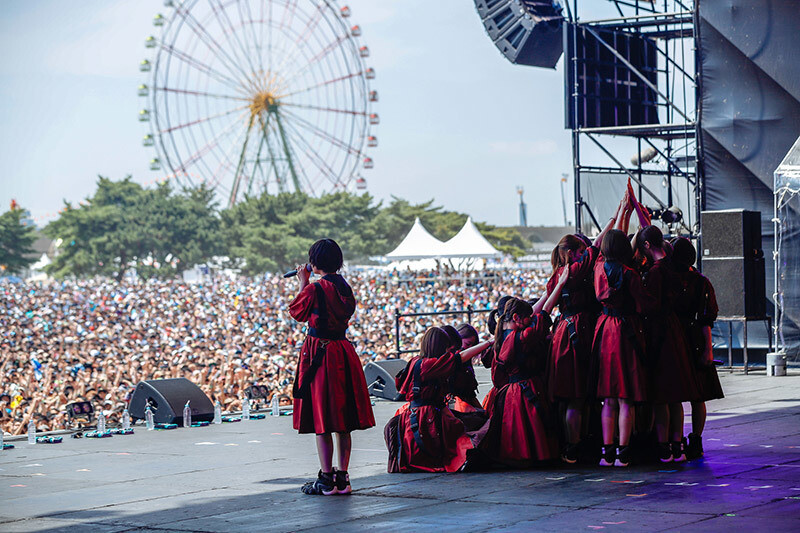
537	331
303	303
581	268
439	367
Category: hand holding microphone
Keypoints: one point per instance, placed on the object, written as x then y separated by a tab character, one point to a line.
293	273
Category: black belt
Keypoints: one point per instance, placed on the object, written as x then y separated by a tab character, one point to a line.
616	313
326	334
527	391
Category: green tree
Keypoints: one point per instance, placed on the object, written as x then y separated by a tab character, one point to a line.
15	242
123	225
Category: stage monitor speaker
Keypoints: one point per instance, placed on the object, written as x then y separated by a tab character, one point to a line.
527	32
380	378
739	285
167	398
731	233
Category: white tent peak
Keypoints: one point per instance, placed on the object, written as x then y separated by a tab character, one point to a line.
417	244
469	242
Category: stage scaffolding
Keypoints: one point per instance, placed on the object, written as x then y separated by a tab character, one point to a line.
604	157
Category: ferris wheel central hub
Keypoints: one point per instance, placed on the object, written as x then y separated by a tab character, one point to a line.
263	102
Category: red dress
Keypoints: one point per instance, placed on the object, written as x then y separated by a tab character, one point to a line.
518	435
696	307
619	342
464	388
668	349
443	438
499	376
338	400
571	348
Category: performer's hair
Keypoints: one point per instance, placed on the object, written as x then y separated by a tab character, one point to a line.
648	234
326	255
683	251
616	247
452	334
513	306
434	343
495	313
466	331
560	255
586	240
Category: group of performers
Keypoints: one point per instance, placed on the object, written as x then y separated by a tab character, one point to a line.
631	343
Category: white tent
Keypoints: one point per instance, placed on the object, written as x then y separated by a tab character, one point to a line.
469	242
417	244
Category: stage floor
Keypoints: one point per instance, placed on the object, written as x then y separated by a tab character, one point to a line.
246	477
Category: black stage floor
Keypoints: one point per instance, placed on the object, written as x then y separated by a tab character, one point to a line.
245	477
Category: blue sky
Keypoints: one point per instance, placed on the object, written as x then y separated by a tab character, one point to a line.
459	123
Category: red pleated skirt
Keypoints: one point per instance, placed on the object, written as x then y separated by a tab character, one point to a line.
673	374
518	435
443	436
568	367
338	400
620	370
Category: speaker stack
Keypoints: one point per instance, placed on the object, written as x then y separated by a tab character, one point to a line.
733	261
167	397
527	32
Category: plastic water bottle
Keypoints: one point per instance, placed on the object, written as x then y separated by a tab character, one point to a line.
31	432
148	418
101	422
217	412
245	408
126	419
187	415
275	405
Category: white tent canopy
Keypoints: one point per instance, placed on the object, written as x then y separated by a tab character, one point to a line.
469	242
417	244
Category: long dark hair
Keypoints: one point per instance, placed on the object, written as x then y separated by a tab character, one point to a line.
560	255
616	248
513	306
434	343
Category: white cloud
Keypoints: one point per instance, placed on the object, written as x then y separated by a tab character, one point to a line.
524	148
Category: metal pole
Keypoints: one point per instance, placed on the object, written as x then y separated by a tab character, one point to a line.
469	314
397	330
730	346
744	348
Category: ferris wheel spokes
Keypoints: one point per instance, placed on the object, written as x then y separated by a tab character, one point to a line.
325	136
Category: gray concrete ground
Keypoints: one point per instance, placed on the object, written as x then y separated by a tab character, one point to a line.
245	477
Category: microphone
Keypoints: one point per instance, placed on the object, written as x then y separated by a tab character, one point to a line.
293	273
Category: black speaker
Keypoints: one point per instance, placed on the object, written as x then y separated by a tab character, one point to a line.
731	233
739	284
167	398
527	32
380	378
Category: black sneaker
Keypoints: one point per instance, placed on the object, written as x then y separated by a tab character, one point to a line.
322	486
342	480
609	455
677	451
664	452
623	456
695	447
570	455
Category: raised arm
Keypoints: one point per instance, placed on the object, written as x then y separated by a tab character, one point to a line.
612	221
624	215
552	299
469	353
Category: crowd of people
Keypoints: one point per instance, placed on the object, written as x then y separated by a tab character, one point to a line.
94	340
604	380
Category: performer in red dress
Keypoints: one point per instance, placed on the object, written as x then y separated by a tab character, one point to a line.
571	347
425	436
518	434
330	394
499	377
619	344
464	386
672	376
696	307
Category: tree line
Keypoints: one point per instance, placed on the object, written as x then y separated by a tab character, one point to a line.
161	231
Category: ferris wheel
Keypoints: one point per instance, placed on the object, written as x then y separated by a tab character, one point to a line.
250	96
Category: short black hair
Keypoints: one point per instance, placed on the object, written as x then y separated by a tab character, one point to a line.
683	251
326	255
